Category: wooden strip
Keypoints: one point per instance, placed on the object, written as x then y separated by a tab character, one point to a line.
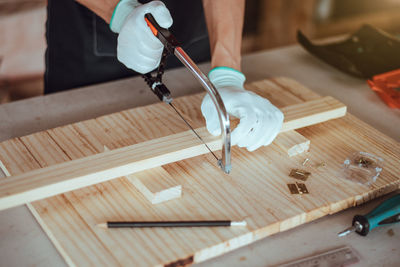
312	112
64	177
292	143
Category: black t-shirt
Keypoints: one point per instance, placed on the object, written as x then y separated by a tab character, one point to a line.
81	49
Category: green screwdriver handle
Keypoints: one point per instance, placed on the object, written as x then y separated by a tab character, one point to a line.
388	212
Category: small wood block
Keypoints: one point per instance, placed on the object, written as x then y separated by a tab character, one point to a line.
293	143
156	184
4	169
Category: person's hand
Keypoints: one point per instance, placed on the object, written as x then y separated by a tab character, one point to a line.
260	121
138	48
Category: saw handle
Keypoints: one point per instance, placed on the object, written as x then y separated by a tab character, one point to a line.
151	22
164	35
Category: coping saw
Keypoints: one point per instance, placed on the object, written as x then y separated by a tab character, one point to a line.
154	80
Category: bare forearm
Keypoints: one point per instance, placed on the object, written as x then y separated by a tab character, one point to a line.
225	24
103	8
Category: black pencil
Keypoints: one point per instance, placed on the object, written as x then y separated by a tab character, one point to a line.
170	224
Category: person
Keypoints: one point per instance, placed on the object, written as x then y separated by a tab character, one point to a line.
88	41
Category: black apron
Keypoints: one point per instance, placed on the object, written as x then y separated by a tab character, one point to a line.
81	49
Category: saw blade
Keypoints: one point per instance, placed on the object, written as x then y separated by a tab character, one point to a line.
193	130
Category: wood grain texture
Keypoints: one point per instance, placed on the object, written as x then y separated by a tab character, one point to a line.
255	191
4	169
292	143
155	184
101	167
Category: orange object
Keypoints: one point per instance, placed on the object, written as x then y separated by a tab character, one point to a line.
152	28
387	86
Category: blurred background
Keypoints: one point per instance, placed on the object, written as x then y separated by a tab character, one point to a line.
268	24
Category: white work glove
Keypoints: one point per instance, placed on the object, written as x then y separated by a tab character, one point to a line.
138	49
260	121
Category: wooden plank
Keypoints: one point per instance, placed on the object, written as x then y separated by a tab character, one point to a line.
255	191
101	167
292	143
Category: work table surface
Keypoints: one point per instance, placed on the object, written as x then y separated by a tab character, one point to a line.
22	242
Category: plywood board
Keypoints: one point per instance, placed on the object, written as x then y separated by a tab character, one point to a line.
255	191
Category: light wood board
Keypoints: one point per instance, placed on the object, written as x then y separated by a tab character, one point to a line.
255	191
77	173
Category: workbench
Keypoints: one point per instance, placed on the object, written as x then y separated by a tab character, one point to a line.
22	242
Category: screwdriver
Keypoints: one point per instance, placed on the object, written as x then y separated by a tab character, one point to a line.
388	212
